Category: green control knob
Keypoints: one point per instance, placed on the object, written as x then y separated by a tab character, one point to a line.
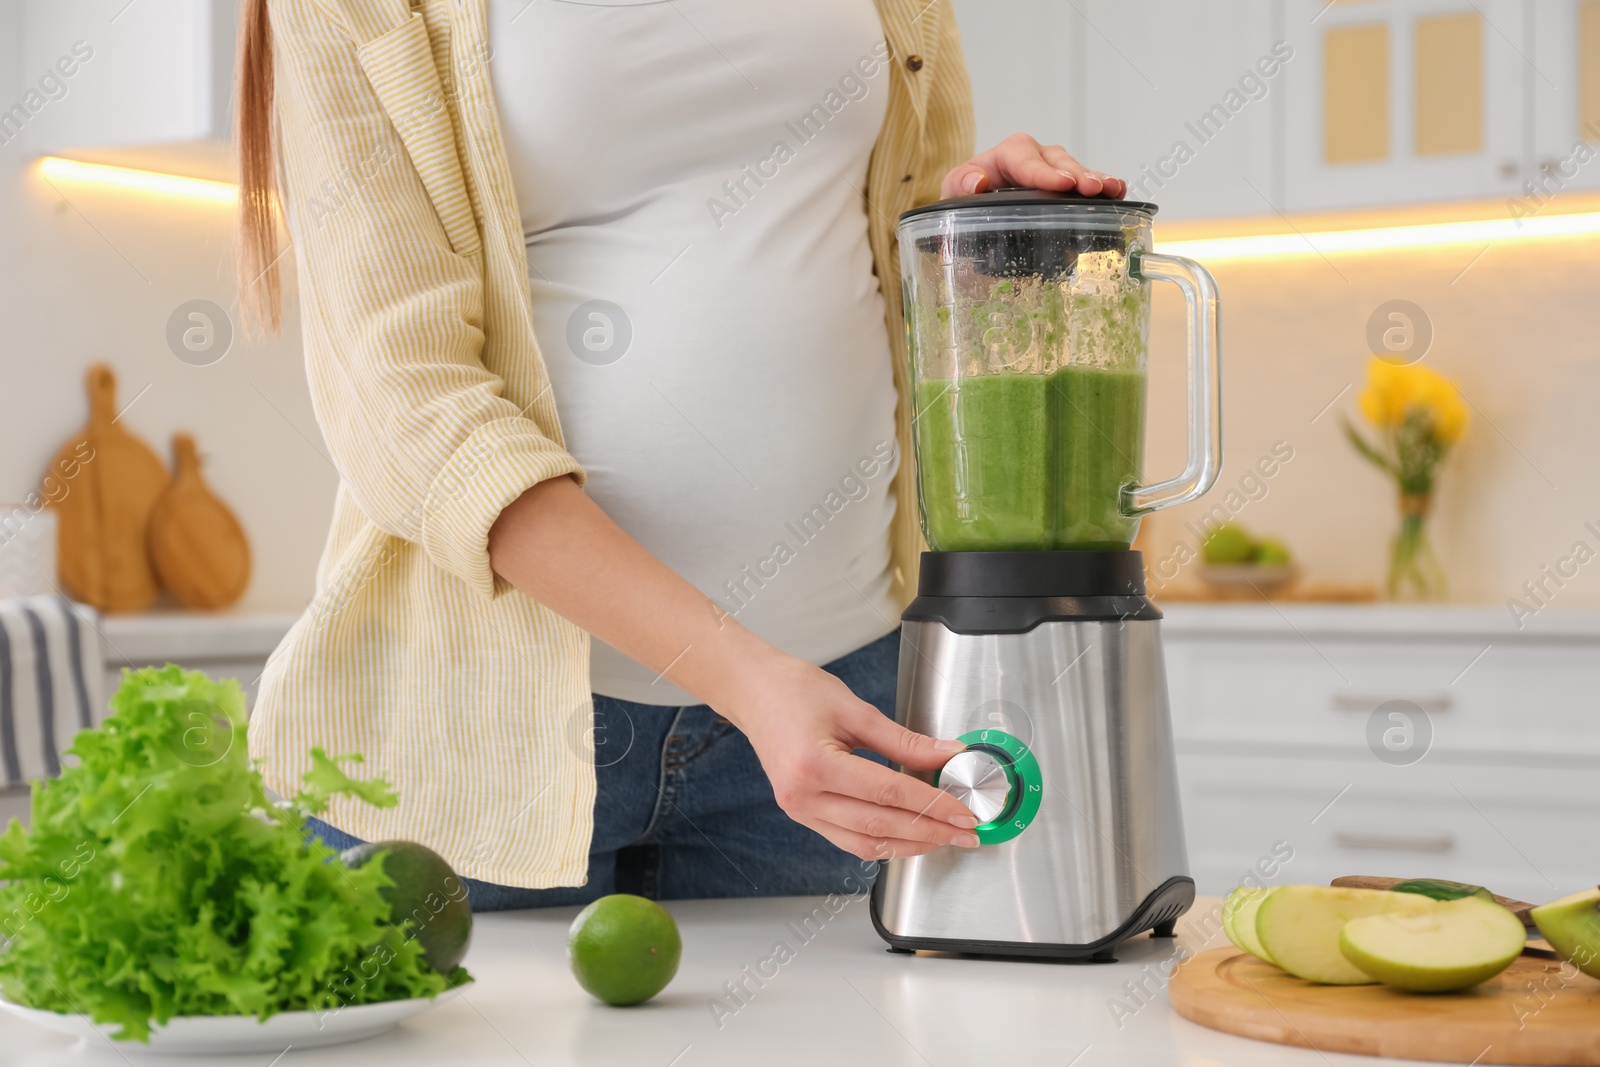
997	778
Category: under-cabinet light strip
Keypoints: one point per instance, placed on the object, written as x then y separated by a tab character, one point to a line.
1324	242
78	172
1257	246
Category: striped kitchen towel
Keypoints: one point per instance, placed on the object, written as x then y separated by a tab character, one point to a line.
50	673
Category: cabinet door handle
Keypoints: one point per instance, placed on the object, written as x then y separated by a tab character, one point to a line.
1367	702
1395	842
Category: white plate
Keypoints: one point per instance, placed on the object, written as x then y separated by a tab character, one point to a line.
222	1034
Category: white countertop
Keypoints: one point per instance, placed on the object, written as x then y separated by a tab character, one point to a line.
841	1000
200	635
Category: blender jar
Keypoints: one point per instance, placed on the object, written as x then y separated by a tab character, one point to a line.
1028	315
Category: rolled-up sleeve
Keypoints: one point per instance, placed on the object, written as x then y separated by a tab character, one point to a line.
429	442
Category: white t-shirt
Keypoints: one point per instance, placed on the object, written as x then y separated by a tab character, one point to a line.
691	177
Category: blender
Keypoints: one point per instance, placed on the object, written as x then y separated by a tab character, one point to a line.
1031	639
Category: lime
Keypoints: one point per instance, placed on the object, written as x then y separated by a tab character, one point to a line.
428	893
1272	550
1229	543
624	949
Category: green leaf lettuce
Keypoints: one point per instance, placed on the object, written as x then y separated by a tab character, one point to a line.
157	880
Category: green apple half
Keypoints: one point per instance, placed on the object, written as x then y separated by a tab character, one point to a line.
1572	926
1299	925
1453	945
1239	919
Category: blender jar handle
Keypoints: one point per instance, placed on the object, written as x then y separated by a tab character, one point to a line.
1205	385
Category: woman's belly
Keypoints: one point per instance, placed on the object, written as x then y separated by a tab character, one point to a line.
734	412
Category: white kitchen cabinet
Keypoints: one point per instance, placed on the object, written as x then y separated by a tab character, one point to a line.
1024	57
1488	774
1372	102
1406	101
1436	819
1564	78
1170	96
108	74
1182	101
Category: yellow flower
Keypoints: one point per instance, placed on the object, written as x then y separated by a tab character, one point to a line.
1388	394
1439	396
1449	411
1393	392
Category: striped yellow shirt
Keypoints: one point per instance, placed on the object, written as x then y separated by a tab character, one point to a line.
471	698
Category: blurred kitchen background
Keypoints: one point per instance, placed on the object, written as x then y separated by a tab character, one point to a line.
1406	178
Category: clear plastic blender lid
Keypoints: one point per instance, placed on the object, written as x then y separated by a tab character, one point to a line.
1060	204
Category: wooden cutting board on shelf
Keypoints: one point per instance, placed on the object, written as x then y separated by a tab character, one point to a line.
198	547
103	508
1534	1012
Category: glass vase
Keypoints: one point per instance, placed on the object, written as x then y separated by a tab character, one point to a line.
1414	570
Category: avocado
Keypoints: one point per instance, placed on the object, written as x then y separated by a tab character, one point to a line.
427	898
1229	543
1270	550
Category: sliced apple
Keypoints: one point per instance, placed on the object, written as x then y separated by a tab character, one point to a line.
1239	919
1230	904
1245	921
1572	926
1453	945
1230	907
1298	927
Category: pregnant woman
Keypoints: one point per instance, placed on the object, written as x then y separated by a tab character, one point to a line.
600	306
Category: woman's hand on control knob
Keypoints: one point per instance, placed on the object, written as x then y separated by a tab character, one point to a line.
1019	160
803	723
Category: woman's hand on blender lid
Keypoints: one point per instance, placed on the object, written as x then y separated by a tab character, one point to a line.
1021	161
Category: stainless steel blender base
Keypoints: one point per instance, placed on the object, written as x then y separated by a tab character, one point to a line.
1103	858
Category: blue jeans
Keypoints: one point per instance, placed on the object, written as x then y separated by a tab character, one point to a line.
683	809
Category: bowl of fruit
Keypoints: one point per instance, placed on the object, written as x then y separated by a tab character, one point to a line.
1238	565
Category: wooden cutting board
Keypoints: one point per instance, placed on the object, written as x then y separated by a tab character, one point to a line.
197	545
1534	1012
103	508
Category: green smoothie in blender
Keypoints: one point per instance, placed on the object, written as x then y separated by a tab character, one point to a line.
1029	461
